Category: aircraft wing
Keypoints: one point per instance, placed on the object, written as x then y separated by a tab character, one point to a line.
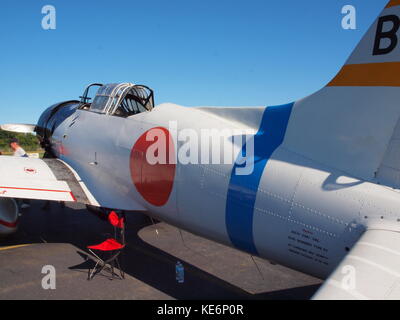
371	270
44	179
21	128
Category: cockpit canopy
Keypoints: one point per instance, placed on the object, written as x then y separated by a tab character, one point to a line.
120	99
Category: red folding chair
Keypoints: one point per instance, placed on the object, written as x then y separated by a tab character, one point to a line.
112	248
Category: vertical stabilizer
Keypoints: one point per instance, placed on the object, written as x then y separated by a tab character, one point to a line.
349	124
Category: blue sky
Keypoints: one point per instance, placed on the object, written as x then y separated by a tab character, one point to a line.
208	52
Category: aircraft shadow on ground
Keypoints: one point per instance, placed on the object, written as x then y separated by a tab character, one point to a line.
140	260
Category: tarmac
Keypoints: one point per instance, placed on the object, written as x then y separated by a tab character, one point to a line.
59	236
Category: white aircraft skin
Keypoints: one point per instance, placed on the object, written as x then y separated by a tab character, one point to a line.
326	175
291	204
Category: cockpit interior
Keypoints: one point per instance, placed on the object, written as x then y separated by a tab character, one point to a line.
118	99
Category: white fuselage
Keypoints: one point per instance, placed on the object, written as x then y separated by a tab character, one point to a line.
296	212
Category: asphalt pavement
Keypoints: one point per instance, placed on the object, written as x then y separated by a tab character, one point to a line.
59	237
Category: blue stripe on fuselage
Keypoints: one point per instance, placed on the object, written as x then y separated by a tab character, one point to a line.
243	189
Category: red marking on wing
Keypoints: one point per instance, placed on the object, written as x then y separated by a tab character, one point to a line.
31	189
153	181
30	170
9	224
72	196
45	190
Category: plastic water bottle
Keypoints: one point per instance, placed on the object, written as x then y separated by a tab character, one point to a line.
179	272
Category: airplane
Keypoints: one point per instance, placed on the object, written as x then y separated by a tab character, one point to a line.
322	196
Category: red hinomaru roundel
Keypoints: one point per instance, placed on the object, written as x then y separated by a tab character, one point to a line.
154	181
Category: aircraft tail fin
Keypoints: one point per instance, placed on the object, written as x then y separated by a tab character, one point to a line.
353	123
376	59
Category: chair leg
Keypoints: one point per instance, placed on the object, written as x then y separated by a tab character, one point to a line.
95	270
120	269
91	273
112	269
110	264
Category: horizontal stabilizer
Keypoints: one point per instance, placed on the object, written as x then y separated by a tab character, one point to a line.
19	128
369	271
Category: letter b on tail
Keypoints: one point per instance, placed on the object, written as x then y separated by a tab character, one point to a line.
390	34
